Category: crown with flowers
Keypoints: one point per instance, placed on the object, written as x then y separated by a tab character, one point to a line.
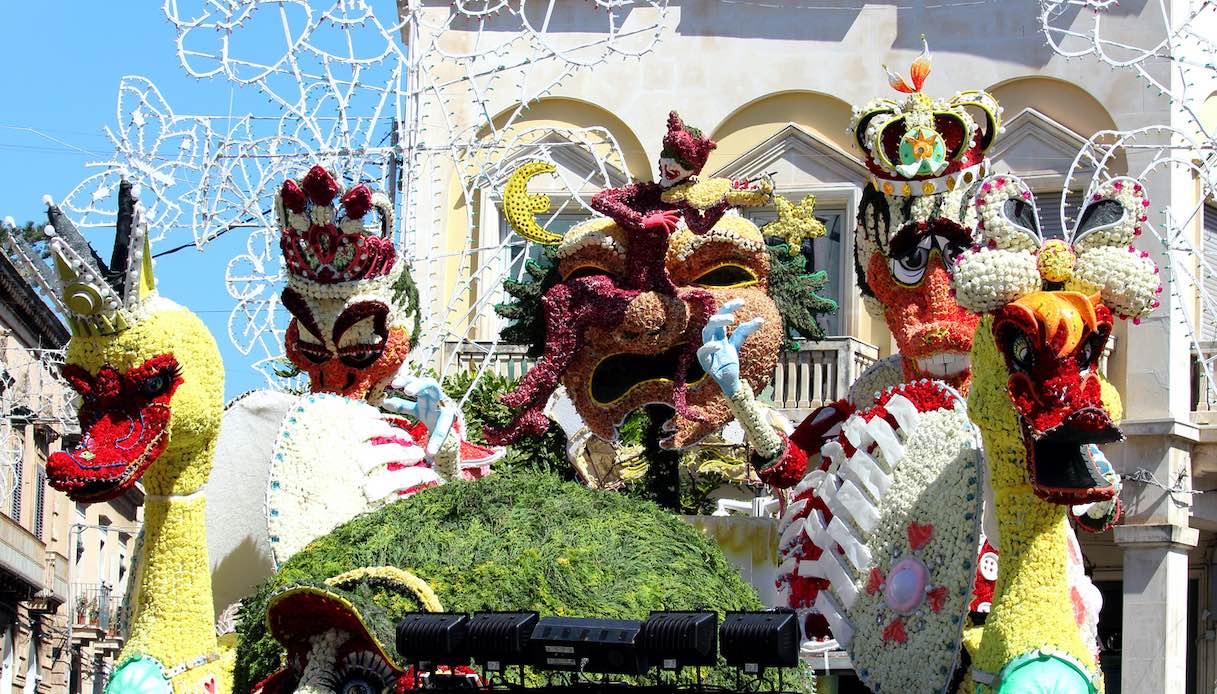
331	237
925	146
686	144
1011	258
96	298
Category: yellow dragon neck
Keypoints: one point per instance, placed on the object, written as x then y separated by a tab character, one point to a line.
1032	608
173	619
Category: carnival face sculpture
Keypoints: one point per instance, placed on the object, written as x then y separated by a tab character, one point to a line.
636	358
925	157
351	302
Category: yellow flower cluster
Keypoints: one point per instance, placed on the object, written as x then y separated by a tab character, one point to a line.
708	192
1055	261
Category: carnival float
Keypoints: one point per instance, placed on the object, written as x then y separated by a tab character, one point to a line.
924	524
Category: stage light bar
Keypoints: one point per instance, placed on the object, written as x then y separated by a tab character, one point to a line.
757	640
676	640
575	644
434	638
498	639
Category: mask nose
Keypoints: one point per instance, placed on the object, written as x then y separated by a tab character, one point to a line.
652	318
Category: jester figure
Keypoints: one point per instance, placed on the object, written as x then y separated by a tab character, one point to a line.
288	472
621	315
926	159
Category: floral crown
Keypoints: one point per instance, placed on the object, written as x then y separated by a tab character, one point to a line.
330	244
686	144
1012	260
96	298
925	146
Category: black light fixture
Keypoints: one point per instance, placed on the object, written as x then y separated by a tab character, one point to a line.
426	638
676	640
574	644
754	641
499	639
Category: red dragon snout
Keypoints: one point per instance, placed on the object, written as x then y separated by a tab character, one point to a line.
1052	342
124	422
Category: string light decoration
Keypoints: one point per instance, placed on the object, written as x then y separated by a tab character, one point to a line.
1174	54
428	102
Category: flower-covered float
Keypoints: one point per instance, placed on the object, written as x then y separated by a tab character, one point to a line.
517	541
1041	405
616	317
286	473
151	385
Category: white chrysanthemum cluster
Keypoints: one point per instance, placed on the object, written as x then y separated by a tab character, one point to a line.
732	228
600	231
1006	264
1125	278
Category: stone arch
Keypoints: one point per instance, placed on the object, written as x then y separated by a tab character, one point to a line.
822	115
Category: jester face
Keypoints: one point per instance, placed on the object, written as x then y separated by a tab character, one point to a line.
150	393
910	279
633	360
348	345
1051	343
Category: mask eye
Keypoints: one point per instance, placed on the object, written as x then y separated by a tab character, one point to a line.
726	276
585	271
315	353
361	356
910	267
1022	356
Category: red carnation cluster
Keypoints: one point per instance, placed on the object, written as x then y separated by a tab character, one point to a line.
686	144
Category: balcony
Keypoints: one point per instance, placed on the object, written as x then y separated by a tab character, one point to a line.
97	616
817	373
25	558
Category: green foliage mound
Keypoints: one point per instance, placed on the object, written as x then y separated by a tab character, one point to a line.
517	541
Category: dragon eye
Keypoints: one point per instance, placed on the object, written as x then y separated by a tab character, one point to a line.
361	684
363	672
1021	353
158	383
1090	350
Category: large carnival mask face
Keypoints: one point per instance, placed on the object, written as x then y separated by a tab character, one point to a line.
912	282
633	362
348	330
346	346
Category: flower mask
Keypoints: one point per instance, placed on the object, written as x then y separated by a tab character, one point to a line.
351	302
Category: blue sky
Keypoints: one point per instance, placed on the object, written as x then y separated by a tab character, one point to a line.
63	62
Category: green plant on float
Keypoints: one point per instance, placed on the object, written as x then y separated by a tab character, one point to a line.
517	541
543	453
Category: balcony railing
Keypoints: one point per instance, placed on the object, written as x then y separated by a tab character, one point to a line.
98	606
817	373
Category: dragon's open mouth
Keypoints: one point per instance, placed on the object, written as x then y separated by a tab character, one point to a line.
1061	471
116	449
616	375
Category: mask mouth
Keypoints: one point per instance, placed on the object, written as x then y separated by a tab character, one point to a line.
616	375
1061	470
116	449
945	364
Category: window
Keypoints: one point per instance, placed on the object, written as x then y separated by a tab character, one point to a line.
39	502
516	250
823	253
1208	275
1049	205
14	510
6	675
33	673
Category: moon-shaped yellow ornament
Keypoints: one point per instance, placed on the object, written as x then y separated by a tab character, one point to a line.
521	209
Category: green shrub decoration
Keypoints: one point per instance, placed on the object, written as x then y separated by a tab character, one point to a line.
521	541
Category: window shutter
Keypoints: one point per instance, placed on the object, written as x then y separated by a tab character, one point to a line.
1049	205
39	502
18	475
1208	275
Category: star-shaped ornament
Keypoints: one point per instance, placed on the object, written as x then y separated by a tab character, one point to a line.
795	222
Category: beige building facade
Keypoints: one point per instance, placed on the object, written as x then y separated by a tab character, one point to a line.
774	84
